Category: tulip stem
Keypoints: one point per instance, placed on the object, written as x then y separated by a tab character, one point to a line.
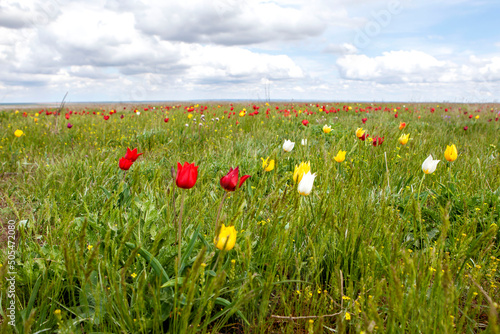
218	215
179	230
311	207
420	209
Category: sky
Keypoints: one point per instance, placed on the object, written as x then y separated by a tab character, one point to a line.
314	50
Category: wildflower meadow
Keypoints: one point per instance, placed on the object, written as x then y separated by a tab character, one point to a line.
250	218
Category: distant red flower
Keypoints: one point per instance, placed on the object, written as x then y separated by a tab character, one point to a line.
186	175
67	116
69	125
470	116
364	136
122	116
132	155
106	117
378	140
364	120
125	163
396	115
166	120
230	180
305	122
465	128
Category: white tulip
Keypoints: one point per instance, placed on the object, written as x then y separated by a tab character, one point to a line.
306	184
429	165
288	145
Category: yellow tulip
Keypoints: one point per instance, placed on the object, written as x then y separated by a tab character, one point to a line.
403	139
190	116
268	166
360	132
242	113
18	133
327	128
226	239
451	153
300	170
340	157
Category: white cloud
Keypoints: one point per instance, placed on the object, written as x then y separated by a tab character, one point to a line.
340	49
416	67
227	22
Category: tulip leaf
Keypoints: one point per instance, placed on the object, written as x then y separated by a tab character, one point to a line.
228	306
189	250
157	267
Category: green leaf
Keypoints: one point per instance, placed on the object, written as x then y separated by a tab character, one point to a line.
152	261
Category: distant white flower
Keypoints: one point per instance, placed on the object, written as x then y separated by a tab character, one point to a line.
138	113
429	165
187	124
288	145
306	184
303	142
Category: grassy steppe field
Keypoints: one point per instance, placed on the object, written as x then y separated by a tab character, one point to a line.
377	246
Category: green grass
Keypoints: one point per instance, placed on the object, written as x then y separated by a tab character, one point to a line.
374	248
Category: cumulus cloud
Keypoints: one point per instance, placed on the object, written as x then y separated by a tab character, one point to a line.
227	22
416	67
340	49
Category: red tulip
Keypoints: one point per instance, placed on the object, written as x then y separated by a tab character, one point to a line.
125	163
364	120
186	175
364	136
106	117
230	180
465	128
378	140
305	122
132	155
122	116
166	120
69	125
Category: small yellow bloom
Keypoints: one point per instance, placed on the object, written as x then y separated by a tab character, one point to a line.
134	275
300	170
242	113
89	247
403	139
227	238
268	166
190	116
477	117
340	157
360	132
451	153
347	316
327	128
18	133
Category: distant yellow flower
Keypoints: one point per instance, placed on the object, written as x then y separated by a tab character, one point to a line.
227	238
403	139
190	116
451	153
242	113
360	132
268	166
300	170
477	117
18	133
340	157
134	275
347	316
327	128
